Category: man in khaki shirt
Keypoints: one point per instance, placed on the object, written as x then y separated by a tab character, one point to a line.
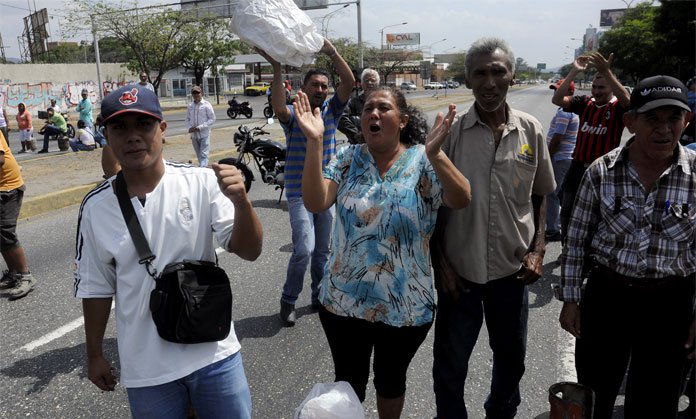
485	255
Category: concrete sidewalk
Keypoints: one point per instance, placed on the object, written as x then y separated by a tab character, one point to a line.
59	179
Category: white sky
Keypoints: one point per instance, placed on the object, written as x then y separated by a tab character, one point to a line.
538	30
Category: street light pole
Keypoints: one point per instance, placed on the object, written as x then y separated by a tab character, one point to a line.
381	33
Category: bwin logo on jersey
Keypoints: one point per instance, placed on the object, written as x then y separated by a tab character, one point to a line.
599	130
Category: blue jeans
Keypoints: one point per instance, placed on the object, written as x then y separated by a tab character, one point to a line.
505	306
311	235
48	131
201	145
75	146
553	206
219	390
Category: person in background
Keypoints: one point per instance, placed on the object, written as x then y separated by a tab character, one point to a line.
182	209
310	231
561	142
99	132
4	125
349	123
689	135
632	234
200	117
84	139
25	128
144	82
378	292
56	107
56	126
16	281
85	109
601	122
485	255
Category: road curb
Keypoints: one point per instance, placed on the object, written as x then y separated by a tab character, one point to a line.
38	205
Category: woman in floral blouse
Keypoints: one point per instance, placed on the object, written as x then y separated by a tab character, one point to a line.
377	292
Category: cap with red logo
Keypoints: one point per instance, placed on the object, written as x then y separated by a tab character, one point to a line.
132	98
556	85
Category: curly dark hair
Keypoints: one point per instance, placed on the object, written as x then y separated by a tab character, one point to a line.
416	130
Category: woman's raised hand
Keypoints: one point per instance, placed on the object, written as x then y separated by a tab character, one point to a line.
309	121
436	136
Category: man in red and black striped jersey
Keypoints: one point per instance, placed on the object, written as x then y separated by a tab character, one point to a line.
601	122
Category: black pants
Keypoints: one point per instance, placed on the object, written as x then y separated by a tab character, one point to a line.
642	328
571	184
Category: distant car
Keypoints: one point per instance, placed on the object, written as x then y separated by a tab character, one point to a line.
257	89
408	86
432	85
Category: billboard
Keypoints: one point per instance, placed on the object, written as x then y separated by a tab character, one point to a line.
398	39
608	17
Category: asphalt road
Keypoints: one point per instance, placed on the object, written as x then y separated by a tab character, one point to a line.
42	371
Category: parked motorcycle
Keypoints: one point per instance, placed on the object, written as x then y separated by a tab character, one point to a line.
268	111
268	155
236	108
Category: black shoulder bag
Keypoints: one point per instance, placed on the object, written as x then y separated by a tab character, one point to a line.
192	299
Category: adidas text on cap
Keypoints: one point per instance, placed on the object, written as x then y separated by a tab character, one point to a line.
132	98
658	91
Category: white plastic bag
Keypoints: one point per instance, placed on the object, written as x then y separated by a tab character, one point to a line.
331	401
278	27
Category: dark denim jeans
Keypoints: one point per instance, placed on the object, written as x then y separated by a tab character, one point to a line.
48	131
505	306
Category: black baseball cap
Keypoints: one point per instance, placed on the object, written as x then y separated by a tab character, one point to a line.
132	98
658	91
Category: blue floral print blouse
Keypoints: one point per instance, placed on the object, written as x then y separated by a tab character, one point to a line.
379	269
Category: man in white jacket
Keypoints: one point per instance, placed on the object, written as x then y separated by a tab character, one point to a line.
199	118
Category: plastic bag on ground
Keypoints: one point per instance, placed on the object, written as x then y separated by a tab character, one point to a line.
278	27
331	401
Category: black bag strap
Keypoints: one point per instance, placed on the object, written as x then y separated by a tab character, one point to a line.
134	228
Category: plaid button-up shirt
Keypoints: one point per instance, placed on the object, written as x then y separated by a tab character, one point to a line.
637	233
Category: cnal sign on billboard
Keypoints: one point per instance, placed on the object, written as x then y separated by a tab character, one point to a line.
399	39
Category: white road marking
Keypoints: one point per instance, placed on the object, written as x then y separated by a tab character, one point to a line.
566	347
64	330
61	331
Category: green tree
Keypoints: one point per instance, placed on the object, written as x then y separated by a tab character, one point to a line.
349	51
653	40
457	68
210	43
156	37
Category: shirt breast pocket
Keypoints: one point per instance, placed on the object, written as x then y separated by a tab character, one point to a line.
522	180
679	223
619	215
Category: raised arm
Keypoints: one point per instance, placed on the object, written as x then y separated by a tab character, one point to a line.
318	193
246	240
456	188
280	108
603	67
344	90
561	96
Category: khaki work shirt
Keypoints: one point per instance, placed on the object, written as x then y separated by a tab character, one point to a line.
488	239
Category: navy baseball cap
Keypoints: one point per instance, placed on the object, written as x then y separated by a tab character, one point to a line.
658	91
131	98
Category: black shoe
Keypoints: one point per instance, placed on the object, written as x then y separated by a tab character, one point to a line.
316	306
287	313
42	151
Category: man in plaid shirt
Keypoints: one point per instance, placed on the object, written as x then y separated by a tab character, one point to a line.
633	234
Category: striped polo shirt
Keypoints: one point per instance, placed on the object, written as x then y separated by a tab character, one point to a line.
600	127
296	142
